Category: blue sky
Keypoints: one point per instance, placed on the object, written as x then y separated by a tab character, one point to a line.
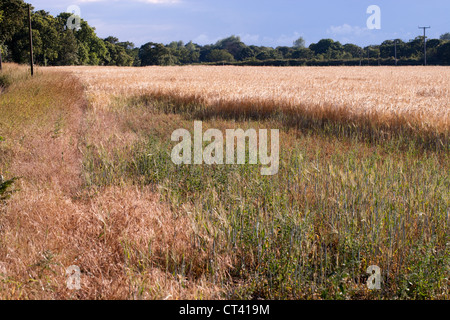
258	22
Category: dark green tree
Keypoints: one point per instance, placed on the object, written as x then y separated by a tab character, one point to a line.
327	47
286	52
204	52
246	53
46	43
117	54
156	54
193	53
268	53
132	51
175	45
220	55
433	43
299	43
233	45
353	50
12	15
302	53
443	53
413	49
112	40
68	53
445	36
95	47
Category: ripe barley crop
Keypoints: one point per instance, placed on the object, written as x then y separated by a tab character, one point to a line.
419	96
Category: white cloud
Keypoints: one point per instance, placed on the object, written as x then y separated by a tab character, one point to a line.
138	33
287	40
356	34
249	38
347	29
204	39
160	1
281	40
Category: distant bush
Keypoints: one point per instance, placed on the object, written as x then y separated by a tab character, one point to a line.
322	63
5	81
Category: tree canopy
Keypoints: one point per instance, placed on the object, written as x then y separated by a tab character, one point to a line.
299	43
55	44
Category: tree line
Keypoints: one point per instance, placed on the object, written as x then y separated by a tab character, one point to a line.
55	44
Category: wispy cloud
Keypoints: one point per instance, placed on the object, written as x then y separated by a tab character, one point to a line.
355	34
347	29
204	39
250	38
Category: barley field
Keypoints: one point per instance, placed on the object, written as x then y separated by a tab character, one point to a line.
420	94
364	180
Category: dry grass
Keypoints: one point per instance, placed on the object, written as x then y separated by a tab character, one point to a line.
125	243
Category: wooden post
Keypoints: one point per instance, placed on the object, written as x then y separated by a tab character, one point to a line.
1	66
31	40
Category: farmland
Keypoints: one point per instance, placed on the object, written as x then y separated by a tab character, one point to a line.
419	94
363	180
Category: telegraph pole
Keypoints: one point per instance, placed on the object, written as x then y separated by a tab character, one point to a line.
425	42
31	40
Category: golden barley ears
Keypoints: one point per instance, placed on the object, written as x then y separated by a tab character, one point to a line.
416	95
